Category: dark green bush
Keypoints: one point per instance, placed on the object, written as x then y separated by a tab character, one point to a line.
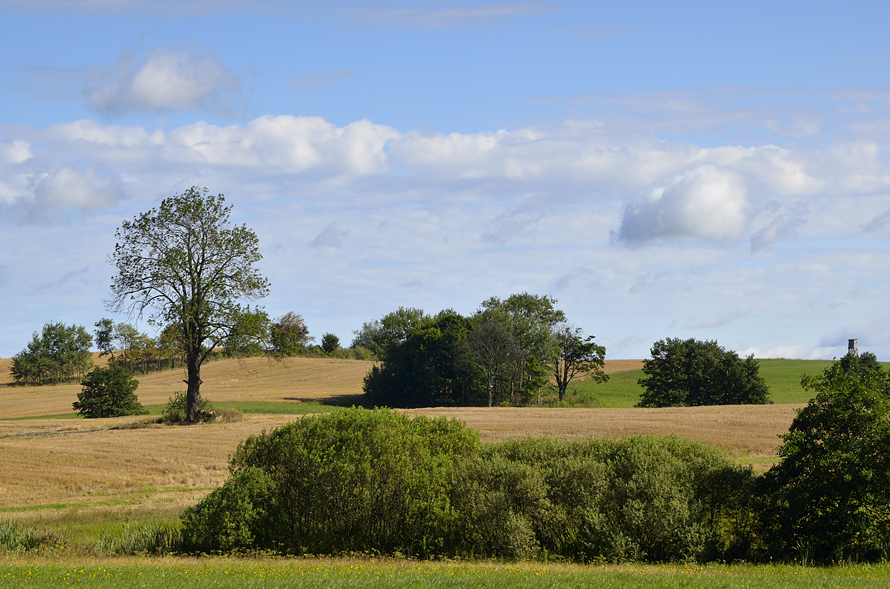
108	392
352	480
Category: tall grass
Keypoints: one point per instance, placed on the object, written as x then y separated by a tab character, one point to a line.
15	537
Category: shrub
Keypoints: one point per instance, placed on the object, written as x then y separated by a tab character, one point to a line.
352	480
175	411
108	392
639	498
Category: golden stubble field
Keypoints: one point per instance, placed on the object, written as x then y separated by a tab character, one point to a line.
51	464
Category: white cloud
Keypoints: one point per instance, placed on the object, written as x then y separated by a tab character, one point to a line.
707	202
15	152
782	228
69	189
165	81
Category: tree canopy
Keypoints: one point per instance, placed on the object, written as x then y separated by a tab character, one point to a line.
830	492
58	353
692	372
187	265
108	392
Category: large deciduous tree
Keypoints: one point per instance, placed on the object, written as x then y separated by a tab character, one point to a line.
686	373
189	266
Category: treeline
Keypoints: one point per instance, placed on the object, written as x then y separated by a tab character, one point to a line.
510	352
379	481
61	353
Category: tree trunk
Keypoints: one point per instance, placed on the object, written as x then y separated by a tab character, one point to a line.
193	393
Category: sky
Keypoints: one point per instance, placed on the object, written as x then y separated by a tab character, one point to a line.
704	170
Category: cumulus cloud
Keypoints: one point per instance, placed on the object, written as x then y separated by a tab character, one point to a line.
166	80
68	190
707	202
15	152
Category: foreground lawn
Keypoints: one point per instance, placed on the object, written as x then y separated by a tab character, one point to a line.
272	573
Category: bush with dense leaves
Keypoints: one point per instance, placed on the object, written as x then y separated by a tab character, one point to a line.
352	480
686	373
108	392
641	498
379	481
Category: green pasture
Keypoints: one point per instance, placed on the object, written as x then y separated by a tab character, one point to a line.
358	573
621	390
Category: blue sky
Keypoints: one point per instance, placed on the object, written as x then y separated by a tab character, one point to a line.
686	169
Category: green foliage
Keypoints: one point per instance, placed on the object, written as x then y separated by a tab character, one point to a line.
639	498
352	480
59	353
289	335
685	373
830	494
379	481
575	355
428	368
249	332
330	343
108	392
153	538
189	266
391	330
237	516
531	319
17	538
175	411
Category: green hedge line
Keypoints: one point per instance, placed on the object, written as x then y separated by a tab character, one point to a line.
379	481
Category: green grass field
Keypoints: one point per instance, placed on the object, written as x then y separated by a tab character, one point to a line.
782	377
359	573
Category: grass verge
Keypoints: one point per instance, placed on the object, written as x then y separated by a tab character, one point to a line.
358	573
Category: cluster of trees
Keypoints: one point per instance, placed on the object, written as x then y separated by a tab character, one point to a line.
428	487
59	353
509	352
686	373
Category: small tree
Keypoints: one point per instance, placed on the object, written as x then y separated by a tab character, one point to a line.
108	392
330	343
686	373
576	355
289	334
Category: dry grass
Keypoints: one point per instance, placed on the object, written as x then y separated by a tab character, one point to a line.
85	465
250	379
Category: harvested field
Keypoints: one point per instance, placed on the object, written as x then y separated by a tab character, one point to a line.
84	463
250	379
51	464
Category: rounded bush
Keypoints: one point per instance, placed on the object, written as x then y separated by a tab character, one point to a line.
108	392
352	480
